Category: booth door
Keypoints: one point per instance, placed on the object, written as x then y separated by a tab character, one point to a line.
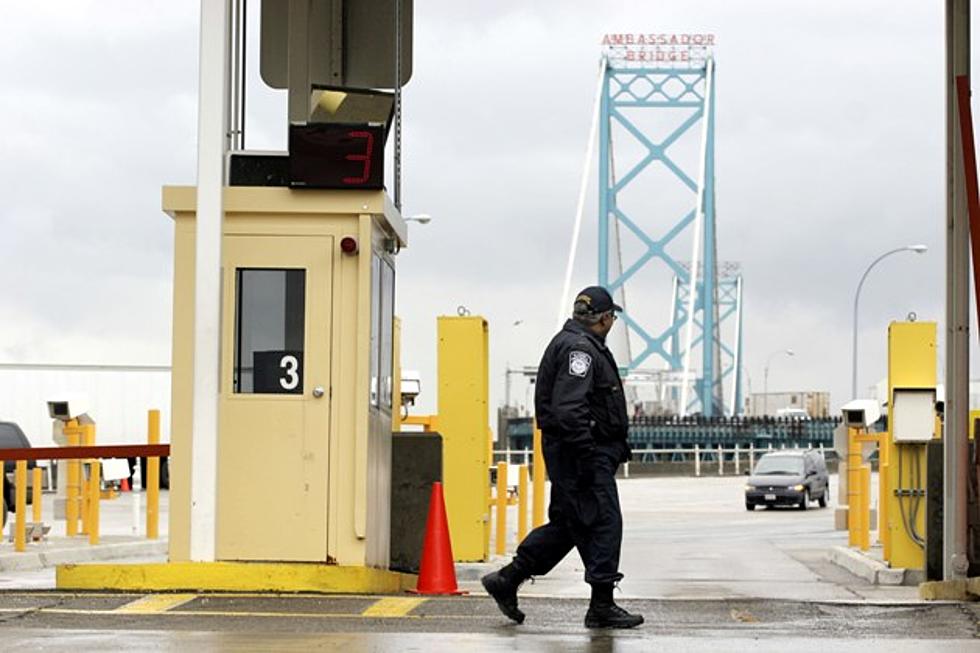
275	398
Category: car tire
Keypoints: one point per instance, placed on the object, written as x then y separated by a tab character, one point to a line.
822	501
805	501
750	506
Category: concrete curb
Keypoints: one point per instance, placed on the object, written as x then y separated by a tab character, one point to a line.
33	560
874	571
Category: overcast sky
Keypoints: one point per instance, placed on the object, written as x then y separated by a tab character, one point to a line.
830	150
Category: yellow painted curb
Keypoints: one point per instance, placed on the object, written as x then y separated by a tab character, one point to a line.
950	590
233	577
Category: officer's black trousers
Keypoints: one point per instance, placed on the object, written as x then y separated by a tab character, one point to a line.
586	518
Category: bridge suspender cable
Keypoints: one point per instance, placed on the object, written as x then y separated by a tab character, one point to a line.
696	249
563	309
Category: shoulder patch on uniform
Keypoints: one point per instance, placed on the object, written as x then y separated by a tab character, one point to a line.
579	363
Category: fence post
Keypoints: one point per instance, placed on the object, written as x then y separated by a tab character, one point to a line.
721	461
36	495
738	465
95	496
697	460
501	508
751	456
20	506
522	502
153	478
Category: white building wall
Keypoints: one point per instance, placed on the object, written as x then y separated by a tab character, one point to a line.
119	397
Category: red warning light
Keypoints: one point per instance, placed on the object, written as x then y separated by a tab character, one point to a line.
348	245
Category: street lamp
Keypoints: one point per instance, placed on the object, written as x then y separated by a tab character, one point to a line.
918	249
421	218
765	378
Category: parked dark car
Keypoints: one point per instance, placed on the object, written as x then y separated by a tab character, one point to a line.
11	437
788	478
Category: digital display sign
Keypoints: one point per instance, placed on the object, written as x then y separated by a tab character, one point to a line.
337	156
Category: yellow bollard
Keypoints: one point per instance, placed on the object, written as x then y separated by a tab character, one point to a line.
501	508
522	503
853	487
95	496
36	495
864	536
883	466
153	478
537	512
74	474
20	503
88	440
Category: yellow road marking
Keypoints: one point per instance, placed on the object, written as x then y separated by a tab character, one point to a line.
155	603
228	613
393	606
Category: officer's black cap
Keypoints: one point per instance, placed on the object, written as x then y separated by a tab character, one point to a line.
597	299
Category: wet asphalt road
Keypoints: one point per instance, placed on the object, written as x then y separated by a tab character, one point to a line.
84	622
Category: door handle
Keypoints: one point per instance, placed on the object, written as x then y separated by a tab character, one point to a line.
318	391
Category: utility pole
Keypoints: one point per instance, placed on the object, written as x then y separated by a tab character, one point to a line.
955	446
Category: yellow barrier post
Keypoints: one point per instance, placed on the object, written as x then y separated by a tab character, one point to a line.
36	495
153	478
853	487
20	502
74	472
864	536
95	496
88	440
537	511
522	504
501	508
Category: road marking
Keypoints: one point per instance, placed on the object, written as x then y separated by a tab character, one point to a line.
393	606
155	603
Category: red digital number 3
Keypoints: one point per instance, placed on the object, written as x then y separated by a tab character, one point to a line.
364	158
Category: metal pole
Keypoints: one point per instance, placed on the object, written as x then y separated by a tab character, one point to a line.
857	297
955	444
765	391
212	143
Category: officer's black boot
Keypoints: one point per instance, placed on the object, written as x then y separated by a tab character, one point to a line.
604	613
502	586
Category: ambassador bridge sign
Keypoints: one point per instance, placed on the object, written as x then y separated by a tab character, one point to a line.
655	48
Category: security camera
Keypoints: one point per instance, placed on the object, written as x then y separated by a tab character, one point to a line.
68	407
411	387
861	413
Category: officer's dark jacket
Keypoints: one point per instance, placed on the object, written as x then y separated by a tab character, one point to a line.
578	396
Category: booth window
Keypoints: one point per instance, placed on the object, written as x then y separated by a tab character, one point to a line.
386	344
375	328
270	317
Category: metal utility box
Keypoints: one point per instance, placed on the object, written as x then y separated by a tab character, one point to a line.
306	387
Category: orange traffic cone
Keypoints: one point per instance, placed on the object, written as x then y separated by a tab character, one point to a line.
437	575
124	485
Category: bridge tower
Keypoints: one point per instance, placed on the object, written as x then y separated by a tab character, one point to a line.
674	78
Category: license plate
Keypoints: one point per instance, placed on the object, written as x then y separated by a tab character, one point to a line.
770	497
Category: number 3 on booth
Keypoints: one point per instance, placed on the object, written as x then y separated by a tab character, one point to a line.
290	367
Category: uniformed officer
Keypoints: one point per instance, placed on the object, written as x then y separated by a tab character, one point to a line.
581	411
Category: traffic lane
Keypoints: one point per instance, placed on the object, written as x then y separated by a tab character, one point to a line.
225	642
689	537
283	615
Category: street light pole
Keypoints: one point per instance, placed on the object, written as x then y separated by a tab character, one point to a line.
765	378
918	249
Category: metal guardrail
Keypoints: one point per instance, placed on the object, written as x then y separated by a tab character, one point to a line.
696	454
669	432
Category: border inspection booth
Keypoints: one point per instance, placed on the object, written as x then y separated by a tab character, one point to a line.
305	376
300	482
